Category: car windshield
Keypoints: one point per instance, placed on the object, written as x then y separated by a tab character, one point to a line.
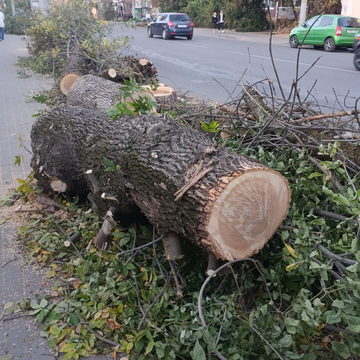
179	17
349	22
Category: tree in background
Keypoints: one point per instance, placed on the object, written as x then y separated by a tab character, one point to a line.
316	7
246	15
241	15
172	5
21	21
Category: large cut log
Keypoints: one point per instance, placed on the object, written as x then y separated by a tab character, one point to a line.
93	92
182	182
98	93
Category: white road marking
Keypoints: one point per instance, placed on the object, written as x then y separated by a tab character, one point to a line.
293	62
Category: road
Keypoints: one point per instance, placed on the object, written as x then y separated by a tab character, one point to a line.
210	66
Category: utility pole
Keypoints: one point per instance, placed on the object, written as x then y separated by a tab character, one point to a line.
303	12
13	10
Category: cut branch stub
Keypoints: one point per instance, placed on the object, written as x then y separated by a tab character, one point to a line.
229	204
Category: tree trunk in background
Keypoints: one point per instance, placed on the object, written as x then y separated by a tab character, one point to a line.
177	176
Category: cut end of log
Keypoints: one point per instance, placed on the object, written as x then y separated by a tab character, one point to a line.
247	213
58	186
162	93
112	73
67	82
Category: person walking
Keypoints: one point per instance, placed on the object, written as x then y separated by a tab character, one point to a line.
221	21
214	21
2	25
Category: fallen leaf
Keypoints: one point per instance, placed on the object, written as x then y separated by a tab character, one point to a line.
113	325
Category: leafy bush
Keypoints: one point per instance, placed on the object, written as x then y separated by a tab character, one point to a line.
21	21
246	15
241	15
67	23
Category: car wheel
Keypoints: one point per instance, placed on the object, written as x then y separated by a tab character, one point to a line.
294	42
357	59
189	37
329	44
165	34
149	32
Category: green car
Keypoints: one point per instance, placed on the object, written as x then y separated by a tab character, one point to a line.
328	31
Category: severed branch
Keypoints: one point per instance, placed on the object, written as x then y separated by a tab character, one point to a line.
107	227
329	254
157	297
179	292
140	247
325	116
172	246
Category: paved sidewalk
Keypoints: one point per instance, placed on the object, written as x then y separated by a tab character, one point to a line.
19	338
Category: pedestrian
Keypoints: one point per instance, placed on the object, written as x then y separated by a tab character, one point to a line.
214	20
221	21
2	25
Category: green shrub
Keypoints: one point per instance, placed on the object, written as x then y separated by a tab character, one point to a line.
67	23
241	15
21	21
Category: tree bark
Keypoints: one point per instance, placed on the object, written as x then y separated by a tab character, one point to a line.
183	183
93	92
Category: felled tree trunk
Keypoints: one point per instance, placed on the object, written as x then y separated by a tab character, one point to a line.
97	93
93	92
182	182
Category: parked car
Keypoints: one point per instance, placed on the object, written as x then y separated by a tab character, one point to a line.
169	25
328	31
357	52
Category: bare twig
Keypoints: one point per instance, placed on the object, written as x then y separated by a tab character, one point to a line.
140	247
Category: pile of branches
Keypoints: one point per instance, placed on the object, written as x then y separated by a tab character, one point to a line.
68	39
257	117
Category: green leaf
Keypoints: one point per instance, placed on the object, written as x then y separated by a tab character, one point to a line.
340	349
43	303
54	330
286	341
34	304
293	266
18	160
42	315
149	347
338	304
198	352
314	174
67	348
354	323
291	251
73	319
110	282
332	317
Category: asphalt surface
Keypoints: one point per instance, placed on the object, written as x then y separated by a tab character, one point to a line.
211	65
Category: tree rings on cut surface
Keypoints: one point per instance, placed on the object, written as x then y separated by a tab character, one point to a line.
245	215
67	82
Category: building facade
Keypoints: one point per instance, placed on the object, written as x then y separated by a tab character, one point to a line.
351	8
